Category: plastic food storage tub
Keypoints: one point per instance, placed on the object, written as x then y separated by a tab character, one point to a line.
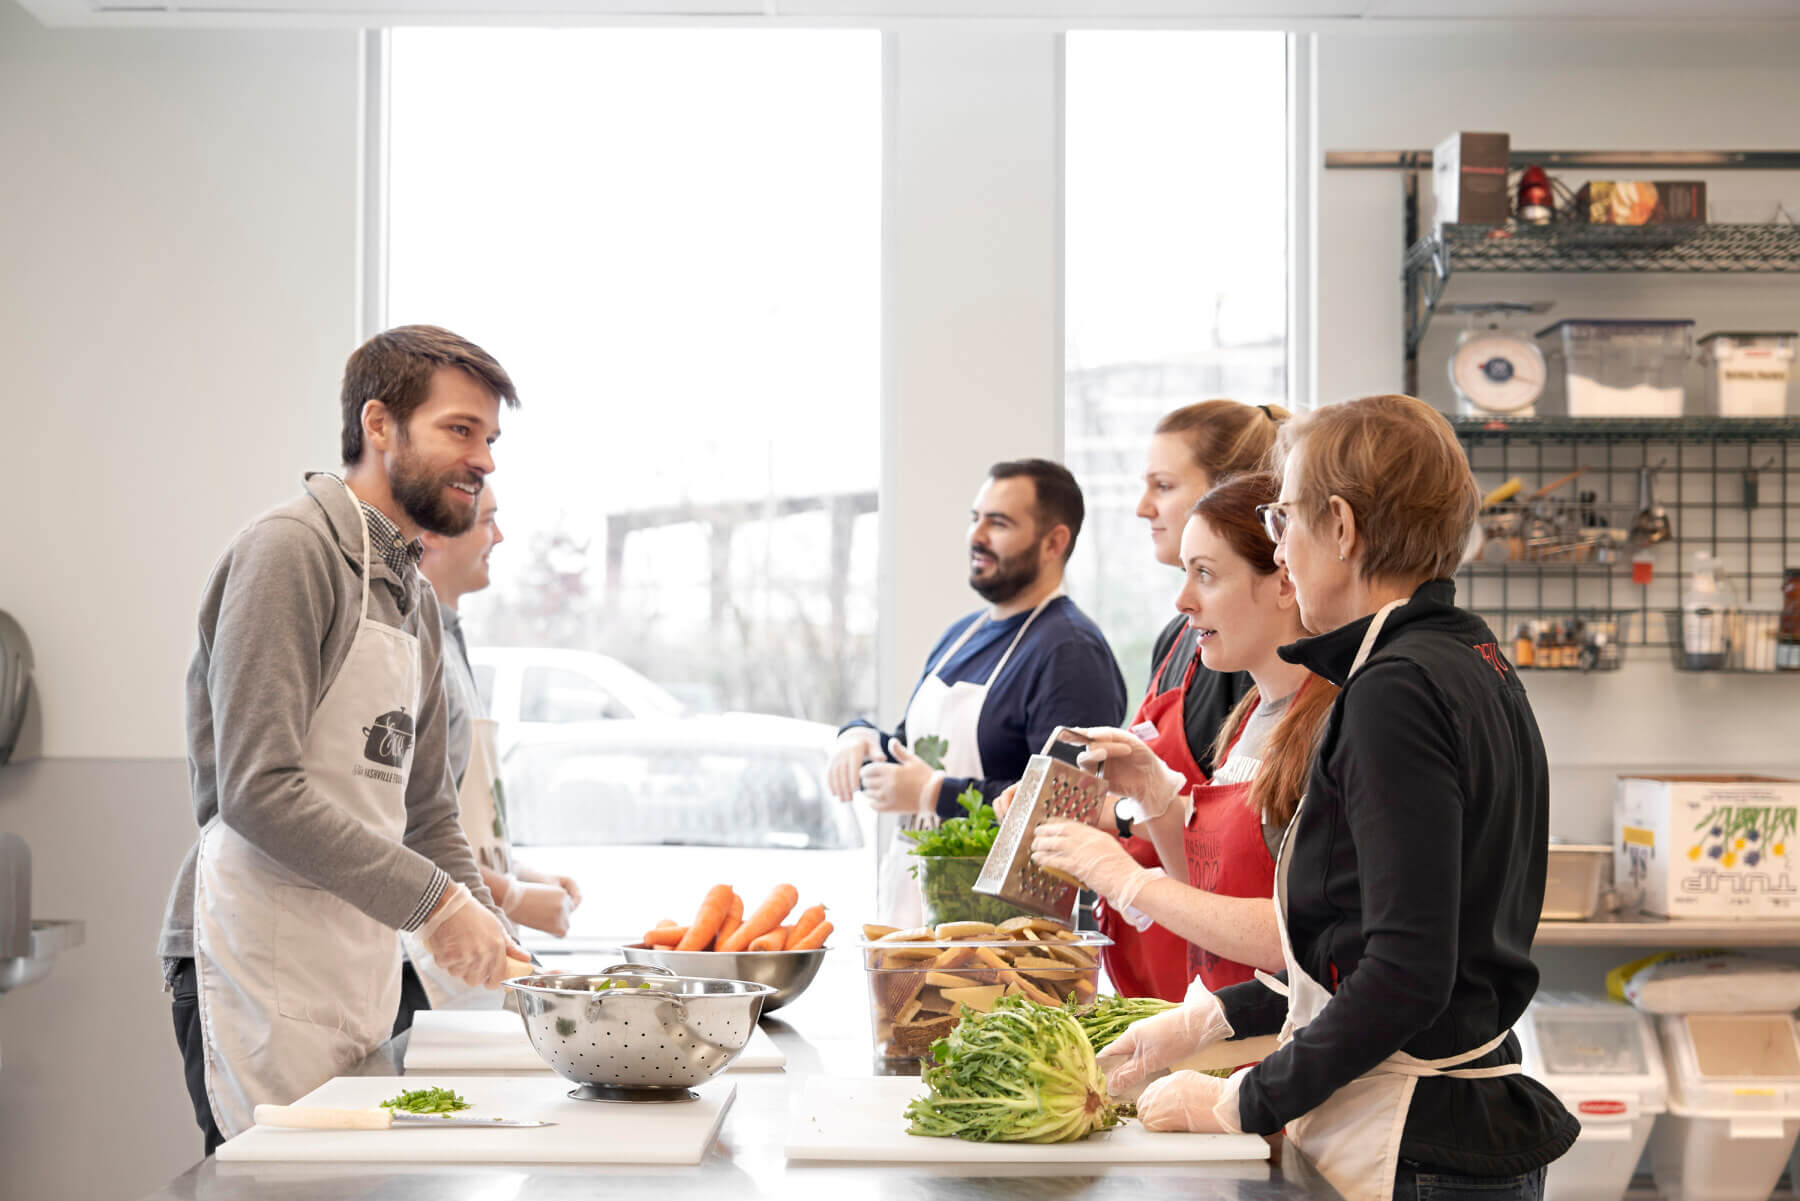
1572	887
1602	1061
1747	372
1615	368
920	983
1734	1106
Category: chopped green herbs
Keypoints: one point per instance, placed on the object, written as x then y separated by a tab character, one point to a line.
427	1100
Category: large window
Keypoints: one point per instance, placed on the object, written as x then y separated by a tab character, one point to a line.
1176	278
671	238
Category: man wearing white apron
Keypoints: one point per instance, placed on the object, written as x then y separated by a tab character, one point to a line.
316	746
998	681
457	565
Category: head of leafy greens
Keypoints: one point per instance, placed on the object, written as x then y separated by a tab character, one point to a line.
970	837
1023	1073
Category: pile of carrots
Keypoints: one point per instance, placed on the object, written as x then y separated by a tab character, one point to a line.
721	925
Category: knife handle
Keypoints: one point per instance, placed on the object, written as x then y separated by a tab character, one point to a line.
314	1117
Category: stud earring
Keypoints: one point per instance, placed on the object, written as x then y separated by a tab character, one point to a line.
1340	556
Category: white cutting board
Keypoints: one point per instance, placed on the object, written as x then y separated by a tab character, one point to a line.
864	1117
586	1131
494	1040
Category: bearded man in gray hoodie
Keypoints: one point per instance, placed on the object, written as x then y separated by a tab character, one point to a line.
317	749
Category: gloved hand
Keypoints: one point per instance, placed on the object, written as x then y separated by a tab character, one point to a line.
572	889
1192	1101
543	907
1095	857
1152	1044
467	940
1004	801
907	785
854	748
1132	769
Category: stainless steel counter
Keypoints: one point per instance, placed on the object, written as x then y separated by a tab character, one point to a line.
825	1031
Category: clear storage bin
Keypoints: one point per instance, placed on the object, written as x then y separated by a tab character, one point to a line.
1747	372
1602	1061
1616	368
1734	1105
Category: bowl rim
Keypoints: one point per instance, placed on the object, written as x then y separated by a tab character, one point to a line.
746	988
1084	938
649	950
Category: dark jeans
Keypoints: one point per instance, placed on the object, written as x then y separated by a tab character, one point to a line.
186	1008
1421	1182
412	998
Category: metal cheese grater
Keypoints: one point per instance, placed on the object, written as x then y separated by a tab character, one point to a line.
1052	788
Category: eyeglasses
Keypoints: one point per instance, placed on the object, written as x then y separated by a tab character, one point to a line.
1274	519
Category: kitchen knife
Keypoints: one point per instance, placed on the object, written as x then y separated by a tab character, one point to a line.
313	1117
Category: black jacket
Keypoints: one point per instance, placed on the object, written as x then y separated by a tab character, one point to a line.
1415	885
1209	698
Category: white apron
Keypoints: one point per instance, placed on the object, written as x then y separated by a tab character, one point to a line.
482	812
1353	1138
951	712
296	984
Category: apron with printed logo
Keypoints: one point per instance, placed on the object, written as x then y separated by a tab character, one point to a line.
295	983
951	712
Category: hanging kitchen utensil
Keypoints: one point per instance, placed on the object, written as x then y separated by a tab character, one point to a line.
1651	525
1050	790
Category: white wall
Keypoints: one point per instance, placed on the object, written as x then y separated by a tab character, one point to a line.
1586	91
178	235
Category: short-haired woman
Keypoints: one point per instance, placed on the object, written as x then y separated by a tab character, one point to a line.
1411	880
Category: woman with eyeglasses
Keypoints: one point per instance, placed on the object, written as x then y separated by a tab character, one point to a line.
1220	835
1410	883
1192	448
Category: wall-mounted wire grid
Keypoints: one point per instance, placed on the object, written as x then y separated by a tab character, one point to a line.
1731	487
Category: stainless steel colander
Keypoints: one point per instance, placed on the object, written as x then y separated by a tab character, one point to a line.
635	1032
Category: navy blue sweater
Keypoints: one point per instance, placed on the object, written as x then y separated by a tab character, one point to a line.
1062	674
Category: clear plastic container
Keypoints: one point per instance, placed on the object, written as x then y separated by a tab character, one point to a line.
1572	885
1602	1061
1734	1105
1616	368
1747	372
919	986
947	892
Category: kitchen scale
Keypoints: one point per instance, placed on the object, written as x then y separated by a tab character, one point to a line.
1497	371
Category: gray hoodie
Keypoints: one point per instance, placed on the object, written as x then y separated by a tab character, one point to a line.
276	624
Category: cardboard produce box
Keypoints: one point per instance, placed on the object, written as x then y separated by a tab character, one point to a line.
1708	846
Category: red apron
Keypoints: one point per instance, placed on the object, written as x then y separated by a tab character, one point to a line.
1154	962
1226	856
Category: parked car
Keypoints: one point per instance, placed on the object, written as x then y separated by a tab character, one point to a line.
609	779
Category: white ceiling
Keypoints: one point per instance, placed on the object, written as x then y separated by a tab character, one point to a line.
1316	15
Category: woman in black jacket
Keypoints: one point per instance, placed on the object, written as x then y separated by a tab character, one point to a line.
1412	877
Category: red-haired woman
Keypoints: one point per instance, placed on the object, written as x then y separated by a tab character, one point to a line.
1240	609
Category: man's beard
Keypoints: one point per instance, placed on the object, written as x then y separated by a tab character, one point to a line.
1010	577
421	495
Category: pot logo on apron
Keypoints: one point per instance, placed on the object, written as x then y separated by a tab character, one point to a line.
389	738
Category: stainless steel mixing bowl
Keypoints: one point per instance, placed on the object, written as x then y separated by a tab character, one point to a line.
637	1032
787	972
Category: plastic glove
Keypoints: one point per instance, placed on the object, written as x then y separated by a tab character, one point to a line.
907	785
1004	801
467	940
569	887
1093	856
854	748
1192	1101
543	907
1152	1044
1132	768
